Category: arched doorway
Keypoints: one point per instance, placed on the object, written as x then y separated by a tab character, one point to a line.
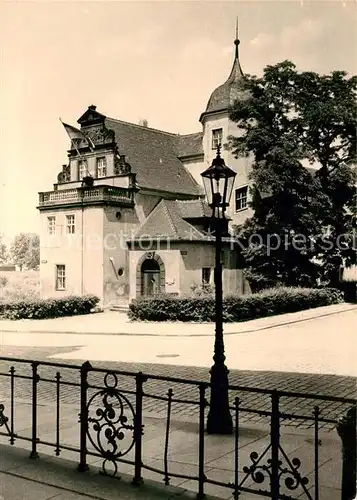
150	278
150	275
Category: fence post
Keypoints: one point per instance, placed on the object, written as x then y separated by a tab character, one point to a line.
201	443
12	407
138	427
170	393
236	493
275	441
346	429
83	418
35	379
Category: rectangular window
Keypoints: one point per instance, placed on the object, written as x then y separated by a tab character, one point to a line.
101	167
241	198
51	225
60	277
71	225
206	276
82	169
217	137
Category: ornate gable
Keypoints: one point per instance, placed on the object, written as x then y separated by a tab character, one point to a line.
93	126
100	135
91	117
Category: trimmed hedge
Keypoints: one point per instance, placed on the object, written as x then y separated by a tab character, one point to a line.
48	308
202	309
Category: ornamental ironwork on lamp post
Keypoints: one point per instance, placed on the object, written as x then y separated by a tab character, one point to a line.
218	182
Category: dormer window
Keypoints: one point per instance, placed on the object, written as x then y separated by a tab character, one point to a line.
217	137
82	169
101	167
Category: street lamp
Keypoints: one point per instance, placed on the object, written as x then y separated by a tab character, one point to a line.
218	182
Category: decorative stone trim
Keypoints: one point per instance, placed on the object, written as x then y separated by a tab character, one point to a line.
158	259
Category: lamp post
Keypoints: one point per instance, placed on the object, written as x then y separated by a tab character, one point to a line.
218	182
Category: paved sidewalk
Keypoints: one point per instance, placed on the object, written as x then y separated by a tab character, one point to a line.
53	477
57	479
117	323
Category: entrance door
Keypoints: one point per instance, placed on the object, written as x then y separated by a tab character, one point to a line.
150	277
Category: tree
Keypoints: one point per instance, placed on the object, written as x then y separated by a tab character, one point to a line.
290	119
25	250
328	119
33	255
3	251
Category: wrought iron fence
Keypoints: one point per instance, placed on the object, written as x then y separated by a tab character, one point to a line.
112	406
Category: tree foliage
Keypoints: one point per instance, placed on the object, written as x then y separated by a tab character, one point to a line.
25	250
292	120
3	251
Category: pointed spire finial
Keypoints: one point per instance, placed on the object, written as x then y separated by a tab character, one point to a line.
236	41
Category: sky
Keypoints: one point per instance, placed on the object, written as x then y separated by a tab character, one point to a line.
158	60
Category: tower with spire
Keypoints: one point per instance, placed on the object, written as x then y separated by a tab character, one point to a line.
217	127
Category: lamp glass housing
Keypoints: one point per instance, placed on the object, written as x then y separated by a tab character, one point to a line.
218	181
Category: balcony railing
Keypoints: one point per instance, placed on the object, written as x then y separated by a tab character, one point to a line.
88	195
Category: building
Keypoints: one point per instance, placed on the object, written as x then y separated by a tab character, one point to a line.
127	216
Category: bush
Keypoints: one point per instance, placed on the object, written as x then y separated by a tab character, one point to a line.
349	290
258	282
201	290
47	308
267	303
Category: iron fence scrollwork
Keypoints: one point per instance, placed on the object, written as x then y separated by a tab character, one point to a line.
4	419
111	424
273	468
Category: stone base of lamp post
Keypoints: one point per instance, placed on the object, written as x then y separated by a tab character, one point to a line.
219	420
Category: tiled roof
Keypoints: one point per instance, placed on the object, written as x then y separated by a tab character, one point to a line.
153	156
193	209
189	145
166	222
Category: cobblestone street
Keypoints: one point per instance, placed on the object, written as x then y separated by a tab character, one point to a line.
328	385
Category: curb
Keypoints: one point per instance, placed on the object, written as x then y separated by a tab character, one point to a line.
140	334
